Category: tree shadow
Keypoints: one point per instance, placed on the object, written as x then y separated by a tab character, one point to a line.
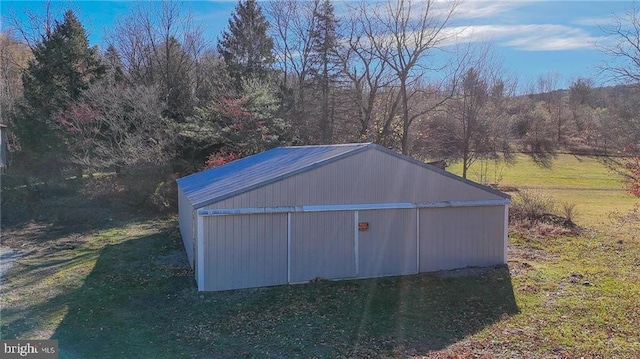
124	306
428	312
140	301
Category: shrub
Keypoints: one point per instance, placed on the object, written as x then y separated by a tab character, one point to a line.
533	204
568	211
164	197
532	214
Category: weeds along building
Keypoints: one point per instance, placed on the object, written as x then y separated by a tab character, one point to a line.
294	214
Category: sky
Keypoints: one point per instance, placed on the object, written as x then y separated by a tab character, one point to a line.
530	38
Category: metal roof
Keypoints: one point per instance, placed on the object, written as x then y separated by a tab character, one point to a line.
216	184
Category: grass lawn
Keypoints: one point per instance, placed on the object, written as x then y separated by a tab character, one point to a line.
581	180
121	288
127	292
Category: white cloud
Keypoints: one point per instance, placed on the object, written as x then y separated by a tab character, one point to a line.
485	9
530	37
506	23
538	43
595	21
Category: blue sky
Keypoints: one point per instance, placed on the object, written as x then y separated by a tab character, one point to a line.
531	38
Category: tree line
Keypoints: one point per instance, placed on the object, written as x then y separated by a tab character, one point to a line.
289	72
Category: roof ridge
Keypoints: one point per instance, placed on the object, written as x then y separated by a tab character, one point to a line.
354	144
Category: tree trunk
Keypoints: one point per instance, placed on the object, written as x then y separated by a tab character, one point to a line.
405	117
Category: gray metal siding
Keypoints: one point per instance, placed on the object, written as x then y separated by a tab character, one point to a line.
461	237
370	176
322	245
186	223
389	246
245	251
255	250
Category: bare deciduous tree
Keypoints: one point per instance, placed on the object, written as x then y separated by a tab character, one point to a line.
364	67
404	34
118	126
580	101
623	67
14	57
473	125
161	46
292	26
38	24
547	86
623	51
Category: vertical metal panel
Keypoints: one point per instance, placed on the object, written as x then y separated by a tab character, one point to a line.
322	245
356	239
200	254
417	240
461	237
506	235
288	247
389	246
245	251
186	223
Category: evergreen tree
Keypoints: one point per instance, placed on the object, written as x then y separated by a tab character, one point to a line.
245	45
324	62
63	66
114	68
237	127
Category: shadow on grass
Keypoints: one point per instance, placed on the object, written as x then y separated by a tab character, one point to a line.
140	301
